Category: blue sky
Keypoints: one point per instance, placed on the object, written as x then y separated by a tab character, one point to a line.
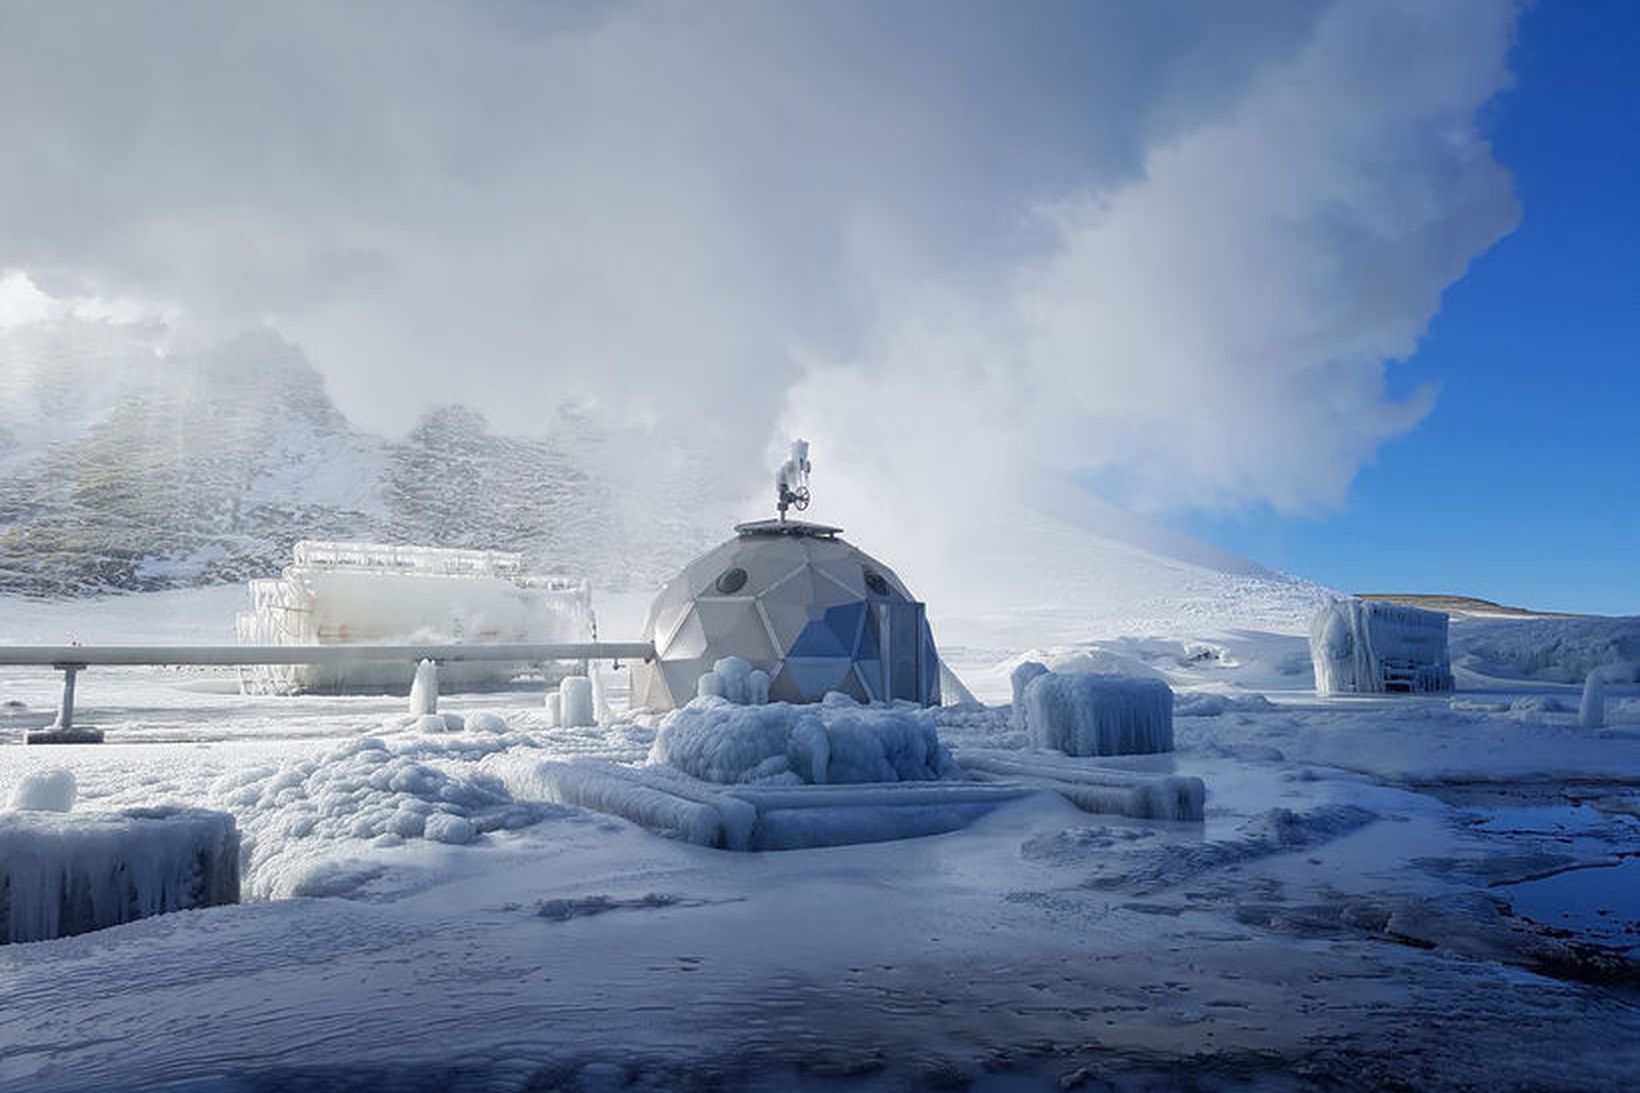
1523	484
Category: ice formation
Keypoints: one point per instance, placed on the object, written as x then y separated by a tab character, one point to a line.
388	594
46	791
1591	713
836	741
575	705
424	689
1551	649
1137	794
1363	646
735	680
67	874
1090	714
388	791
1020	677
760	817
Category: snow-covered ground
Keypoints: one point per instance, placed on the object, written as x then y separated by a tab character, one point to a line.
1422	892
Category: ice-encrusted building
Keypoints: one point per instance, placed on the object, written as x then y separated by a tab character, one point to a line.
336	593
1366	647
798	602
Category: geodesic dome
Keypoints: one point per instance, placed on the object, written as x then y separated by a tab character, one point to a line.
813	611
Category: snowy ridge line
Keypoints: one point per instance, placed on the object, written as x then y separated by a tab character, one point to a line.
87	655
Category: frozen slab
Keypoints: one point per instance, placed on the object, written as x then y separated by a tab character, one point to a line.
759	817
68	873
1094	714
1091	788
1367	647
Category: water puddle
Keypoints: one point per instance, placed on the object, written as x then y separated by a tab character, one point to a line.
1601	903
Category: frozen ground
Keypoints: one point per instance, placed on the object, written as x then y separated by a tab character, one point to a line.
1415	892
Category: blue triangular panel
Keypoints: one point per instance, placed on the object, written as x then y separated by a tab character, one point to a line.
819	640
844	620
814	676
869	649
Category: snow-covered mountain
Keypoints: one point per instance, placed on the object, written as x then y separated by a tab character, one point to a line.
127	463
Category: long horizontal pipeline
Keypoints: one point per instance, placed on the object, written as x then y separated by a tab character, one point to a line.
87	655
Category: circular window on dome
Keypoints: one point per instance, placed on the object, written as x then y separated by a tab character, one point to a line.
876	582
731	581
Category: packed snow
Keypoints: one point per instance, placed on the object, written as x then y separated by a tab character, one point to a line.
1305	892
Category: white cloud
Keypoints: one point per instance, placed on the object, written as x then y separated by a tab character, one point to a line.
1167	247
1214	331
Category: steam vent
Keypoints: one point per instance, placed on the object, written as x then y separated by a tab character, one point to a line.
813	611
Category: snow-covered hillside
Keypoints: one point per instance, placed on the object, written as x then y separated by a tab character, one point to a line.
129	462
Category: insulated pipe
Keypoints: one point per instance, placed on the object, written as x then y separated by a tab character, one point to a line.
70	659
81	656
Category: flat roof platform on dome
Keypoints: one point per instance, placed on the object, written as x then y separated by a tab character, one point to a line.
798	528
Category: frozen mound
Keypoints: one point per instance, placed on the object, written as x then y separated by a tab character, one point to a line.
46	791
1207	704
1083	714
64	874
735	679
1551	650
833	742
370	789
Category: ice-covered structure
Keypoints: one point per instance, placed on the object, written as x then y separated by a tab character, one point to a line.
66	873
796	601
1366	646
375	593
831	742
1090	714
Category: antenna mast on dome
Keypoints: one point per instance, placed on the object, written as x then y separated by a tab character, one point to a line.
791	481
